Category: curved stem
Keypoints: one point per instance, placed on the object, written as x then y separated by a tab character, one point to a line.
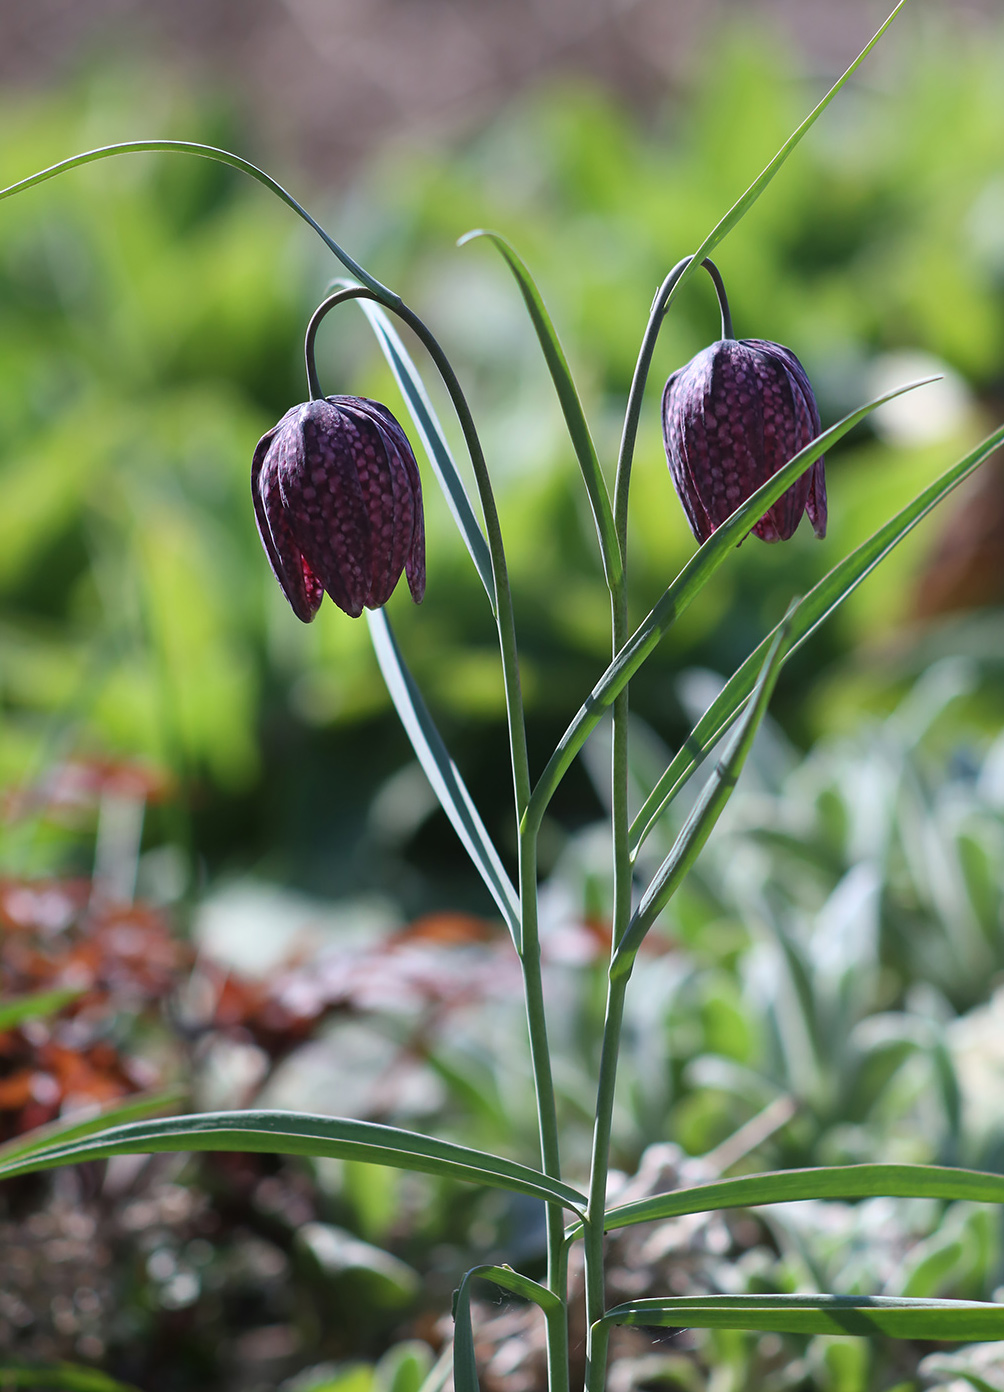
664	298
212	152
723	299
351	292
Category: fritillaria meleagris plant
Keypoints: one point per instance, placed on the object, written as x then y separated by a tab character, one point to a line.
338	504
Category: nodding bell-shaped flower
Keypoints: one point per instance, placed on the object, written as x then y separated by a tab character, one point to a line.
731	418
338	502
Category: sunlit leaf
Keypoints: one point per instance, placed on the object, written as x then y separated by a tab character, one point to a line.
300	1133
685	588
814	609
571	406
819	1314
442	772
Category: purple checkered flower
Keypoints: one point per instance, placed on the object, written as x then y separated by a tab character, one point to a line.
338	502
731	418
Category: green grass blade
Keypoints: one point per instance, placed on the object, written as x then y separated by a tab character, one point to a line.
211	152
819	1314
442	772
57	1377
571	406
687	585
743	204
815	608
708	808
74	1127
15	1009
465	1371
465	1365
430	432
301	1133
823	1182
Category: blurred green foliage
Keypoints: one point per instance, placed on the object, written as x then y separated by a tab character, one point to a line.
151	312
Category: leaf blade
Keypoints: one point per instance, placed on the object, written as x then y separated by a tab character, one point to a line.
710	805
430	431
822	1182
568	399
302	1133
819	1314
746	200
679	594
442	772
814	609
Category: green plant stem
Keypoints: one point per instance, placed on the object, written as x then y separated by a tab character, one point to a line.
547	1119
632	414
593	1228
620	831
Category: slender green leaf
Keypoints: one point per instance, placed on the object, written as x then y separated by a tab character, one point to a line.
77	1125
17	1008
465	1371
188	147
815	608
431	434
301	1133
687	585
571	406
819	1314
708	808
57	1377
442	772
465	1365
824	1182
743	204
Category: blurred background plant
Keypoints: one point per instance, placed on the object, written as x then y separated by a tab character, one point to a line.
174	750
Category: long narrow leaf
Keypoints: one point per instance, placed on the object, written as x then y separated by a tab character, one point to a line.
301	1133
17	1008
743	204
568	398
465	1371
431	434
707	810
210	152
57	1377
815	608
687	585
819	1314
825	1182
442	772
75	1126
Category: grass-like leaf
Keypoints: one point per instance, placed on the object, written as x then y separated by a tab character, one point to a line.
57	1377
301	1133
708	808
210	152
743	204
442	772
571	406
819	1314
823	1182
430	432
15	1009
813	610
76	1126
465	1370
685	588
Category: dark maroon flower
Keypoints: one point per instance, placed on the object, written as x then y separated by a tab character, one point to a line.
731	418
338	501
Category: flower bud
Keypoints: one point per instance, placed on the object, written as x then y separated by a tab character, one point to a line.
338	502
731	418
